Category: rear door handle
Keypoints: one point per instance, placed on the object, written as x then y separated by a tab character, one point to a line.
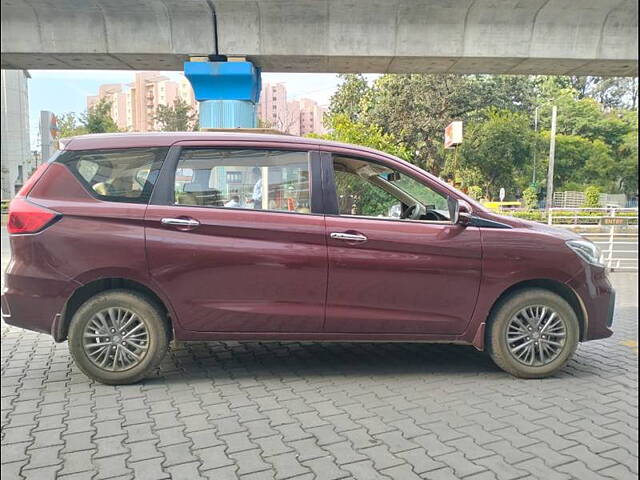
180	222
348	237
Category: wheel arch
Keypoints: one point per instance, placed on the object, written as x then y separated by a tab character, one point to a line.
559	288
88	290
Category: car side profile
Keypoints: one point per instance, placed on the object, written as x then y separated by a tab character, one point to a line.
122	243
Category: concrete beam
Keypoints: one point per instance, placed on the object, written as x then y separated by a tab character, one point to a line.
594	37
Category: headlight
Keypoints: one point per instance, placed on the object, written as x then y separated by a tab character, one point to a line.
586	250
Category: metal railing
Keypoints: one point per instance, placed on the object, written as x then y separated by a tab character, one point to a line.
613	230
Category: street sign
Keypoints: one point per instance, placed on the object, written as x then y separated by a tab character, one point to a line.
453	134
613	221
48	134
502	194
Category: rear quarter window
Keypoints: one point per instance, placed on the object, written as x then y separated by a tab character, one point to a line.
117	175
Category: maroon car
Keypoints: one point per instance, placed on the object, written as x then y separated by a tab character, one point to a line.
124	242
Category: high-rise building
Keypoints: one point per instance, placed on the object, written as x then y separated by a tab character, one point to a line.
293	110
311	117
134	105
17	158
296	117
115	94
272	108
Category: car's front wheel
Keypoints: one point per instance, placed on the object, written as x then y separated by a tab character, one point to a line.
533	333
118	337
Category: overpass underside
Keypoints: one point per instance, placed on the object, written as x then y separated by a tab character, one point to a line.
577	37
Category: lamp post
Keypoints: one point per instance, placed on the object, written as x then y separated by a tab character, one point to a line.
552	154
535	145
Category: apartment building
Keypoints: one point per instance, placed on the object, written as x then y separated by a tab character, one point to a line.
134	105
115	94
311	116
296	117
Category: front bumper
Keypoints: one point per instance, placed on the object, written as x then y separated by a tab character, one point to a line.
597	298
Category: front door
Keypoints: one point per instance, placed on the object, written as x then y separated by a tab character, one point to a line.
235	245
396	263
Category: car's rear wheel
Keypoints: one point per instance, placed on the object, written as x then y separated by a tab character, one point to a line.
118	337
533	333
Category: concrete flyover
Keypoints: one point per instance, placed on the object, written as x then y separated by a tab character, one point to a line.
578	37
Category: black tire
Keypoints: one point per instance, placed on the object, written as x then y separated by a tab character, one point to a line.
149	313
497	344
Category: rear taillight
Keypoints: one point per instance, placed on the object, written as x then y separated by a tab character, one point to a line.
31	181
27	217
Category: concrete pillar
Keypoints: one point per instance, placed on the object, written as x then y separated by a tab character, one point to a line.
228	92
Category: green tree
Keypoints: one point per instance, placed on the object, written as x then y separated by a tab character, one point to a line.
610	92
343	129
597	133
475	192
69	125
350	98
98	118
497	148
416	108
580	161
627	155
179	117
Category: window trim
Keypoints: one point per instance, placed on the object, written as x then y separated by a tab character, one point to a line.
145	197
164	193
331	194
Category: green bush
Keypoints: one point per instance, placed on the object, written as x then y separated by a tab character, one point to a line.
591	197
530	198
475	192
569	217
535	215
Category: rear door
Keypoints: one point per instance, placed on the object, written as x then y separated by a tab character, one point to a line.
235	240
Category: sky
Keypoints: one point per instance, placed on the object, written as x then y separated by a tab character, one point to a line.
62	91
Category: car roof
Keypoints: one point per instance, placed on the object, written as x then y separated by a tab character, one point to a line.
166	139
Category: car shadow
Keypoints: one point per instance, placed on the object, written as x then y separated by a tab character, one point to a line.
241	360
233	361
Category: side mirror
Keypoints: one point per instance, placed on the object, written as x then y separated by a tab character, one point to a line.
459	212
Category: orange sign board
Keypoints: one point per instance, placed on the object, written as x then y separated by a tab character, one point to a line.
613	221
453	134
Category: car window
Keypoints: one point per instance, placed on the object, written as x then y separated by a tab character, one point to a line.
357	196
425	195
118	175
373	190
247	179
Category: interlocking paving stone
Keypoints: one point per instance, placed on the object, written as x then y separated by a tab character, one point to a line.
287	465
148	469
185	471
308	410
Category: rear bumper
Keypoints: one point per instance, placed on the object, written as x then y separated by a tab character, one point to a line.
597	297
35	303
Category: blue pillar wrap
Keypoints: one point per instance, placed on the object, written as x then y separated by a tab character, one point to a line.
227	91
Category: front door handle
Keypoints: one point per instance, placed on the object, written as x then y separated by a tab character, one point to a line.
180	222
349	237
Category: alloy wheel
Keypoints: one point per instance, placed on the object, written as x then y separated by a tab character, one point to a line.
536	335
116	339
